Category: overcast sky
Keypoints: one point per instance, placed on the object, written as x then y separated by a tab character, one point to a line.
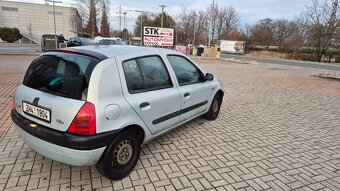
250	11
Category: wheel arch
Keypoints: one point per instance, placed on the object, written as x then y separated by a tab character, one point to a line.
137	129
221	94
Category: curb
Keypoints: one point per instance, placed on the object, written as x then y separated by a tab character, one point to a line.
20	54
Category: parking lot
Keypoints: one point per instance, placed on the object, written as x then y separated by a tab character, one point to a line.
278	129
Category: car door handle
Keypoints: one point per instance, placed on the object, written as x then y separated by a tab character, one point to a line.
144	104
186	94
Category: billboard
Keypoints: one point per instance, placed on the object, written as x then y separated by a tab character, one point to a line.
233	47
157	36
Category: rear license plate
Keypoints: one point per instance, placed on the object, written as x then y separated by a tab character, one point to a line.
37	112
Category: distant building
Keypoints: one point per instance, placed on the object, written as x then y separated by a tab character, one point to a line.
34	20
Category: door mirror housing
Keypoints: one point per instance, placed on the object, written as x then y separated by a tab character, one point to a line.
209	77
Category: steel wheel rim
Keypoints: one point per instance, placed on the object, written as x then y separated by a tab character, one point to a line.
215	106
123	153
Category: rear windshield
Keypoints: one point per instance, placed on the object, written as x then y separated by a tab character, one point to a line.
61	74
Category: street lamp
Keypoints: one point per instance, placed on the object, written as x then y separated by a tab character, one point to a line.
141	23
55	28
125	27
141	26
162	6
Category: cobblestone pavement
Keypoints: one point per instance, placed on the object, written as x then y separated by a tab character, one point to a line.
279	129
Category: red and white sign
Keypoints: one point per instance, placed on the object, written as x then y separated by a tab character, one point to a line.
158	41
156	36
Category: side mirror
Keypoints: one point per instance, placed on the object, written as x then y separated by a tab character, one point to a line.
209	77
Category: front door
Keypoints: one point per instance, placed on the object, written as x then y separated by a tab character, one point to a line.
194	90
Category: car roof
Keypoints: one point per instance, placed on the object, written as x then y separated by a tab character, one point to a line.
116	50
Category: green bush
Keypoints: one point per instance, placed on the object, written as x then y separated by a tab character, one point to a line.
10	34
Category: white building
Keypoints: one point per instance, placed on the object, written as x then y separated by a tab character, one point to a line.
35	20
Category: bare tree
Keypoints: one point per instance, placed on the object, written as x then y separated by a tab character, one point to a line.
227	21
105	24
212	18
262	33
191	27
183	21
282	30
147	18
321	21
89	10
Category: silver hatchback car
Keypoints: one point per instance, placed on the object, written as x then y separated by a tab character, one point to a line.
99	104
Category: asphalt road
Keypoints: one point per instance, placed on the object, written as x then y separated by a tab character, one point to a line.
17	49
285	62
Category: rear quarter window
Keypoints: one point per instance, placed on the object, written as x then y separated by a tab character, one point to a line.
63	74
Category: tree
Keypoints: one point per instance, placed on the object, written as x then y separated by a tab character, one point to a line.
153	20
168	21
227	21
282	30
183	26
191	27
147	21
105	24
89	10
212	16
321	24
262	33
9	35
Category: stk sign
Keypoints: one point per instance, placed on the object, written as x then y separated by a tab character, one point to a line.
156	36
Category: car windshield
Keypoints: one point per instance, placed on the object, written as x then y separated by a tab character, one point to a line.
61	74
111	42
119	42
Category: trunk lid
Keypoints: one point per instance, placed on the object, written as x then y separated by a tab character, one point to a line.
55	88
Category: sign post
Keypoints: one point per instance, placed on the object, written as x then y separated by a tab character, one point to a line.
158	36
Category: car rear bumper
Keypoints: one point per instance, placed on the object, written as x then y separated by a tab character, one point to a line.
61	154
78	150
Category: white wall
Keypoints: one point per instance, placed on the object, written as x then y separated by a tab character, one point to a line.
39	16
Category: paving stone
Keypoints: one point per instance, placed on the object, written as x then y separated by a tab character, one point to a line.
277	130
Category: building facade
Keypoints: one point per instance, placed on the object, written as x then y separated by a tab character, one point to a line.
35	20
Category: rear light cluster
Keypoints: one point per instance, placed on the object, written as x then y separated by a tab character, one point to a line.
85	121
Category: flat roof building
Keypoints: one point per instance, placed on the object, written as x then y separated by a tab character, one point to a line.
34	20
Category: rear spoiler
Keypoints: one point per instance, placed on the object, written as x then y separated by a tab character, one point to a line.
82	52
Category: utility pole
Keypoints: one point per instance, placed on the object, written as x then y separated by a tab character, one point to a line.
55	27
194	38
125	27
120	18
162	6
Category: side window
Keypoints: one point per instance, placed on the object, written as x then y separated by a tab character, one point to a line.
145	74
133	76
155	73
185	71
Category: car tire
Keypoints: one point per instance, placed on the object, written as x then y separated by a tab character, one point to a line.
214	109
121	156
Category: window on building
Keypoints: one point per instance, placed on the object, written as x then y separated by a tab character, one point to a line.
56	13
9	9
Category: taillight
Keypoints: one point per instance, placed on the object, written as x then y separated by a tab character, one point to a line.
85	121
14	104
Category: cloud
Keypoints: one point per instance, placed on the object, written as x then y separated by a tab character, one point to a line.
250	11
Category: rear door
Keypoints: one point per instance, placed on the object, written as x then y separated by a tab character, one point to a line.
54	89
194	90
148	88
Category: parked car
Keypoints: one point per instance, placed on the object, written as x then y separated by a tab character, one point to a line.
98	105
111	42
80	41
